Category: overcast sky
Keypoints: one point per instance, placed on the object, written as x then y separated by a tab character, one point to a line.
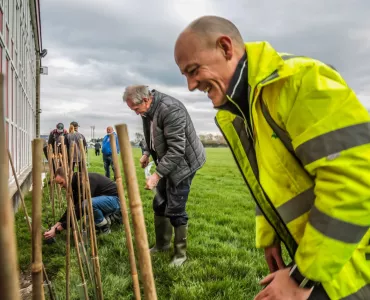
96	49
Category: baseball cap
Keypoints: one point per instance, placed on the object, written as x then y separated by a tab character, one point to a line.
60	127
74	123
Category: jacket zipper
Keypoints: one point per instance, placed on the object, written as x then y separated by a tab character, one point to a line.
254	198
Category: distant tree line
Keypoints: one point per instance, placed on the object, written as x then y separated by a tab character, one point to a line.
208	140
212	140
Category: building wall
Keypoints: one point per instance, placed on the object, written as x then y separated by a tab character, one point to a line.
18	64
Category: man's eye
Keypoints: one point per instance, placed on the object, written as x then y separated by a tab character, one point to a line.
192	71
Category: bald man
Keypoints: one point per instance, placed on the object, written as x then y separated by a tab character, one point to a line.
301	140
107	151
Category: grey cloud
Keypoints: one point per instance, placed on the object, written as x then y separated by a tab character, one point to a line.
126	42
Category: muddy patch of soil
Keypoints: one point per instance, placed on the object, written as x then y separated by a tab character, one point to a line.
25	281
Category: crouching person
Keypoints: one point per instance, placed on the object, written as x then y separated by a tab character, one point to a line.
171	140
105	202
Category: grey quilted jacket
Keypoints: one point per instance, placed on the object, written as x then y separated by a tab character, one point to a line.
178	151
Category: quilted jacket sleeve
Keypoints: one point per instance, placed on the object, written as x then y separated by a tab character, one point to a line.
174	121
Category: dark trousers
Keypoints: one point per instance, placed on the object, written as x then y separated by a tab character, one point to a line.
108	161
170	201
97	152
74	164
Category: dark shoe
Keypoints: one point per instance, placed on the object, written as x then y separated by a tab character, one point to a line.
103	227
179	246
163	234
116	217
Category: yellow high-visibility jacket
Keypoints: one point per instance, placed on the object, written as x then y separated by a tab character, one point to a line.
314	196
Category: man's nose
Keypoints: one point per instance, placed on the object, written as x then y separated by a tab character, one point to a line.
192	84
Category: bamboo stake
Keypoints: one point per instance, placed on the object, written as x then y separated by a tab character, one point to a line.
51	185
79	260
74	218
56	164
136	212
79	189
51	292
37	280
69	194
84	254
83	186
64	157
19	189
94	248
54	186
9	280
121	194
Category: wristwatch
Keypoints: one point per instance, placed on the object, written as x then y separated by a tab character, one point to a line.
302	281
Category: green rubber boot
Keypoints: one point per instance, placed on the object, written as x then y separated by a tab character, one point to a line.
163	234
180	246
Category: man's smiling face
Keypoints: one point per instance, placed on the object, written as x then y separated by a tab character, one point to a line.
207	67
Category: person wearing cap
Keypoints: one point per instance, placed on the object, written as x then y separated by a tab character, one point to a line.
55	135
75	125
54	139
75	136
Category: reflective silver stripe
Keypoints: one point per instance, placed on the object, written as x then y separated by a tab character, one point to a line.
272	76
239	126
258	211
333	142
335	228
240	76
362	294
289	56
367	256
297	206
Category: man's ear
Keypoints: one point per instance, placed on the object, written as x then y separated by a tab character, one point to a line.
225	44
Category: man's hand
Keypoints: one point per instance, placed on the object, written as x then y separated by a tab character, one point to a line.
273	258
152	181
144	161
52	232
282	287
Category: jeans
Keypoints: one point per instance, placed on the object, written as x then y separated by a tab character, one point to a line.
97	152
170	201
103	206
108	161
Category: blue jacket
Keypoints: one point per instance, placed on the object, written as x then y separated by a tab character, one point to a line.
106	149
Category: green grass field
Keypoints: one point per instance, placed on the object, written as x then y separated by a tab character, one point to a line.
222	260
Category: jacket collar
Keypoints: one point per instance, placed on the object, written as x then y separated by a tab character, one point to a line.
238	88
153	106
260	65
263	60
